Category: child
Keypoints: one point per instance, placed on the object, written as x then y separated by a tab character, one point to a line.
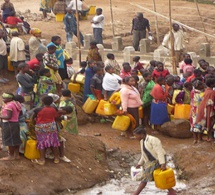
182	64
36	64
159	114
152	66
70	125
188	67
197	74
46	130
184	96
50	61
137	65
26	26
93	53
7	8
10	126
126	71
146	97
112	62
196	98
70	69
96	83
205	118
159	71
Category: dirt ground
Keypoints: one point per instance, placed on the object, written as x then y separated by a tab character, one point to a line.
89	165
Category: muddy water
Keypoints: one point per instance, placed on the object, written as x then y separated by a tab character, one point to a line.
126	186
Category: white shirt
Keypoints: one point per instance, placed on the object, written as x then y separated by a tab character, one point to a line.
3	48
100	20
72	5
110	82
17	50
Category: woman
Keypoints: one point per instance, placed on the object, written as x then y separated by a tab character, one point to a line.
71	125
111	82
159	114
46	130
10	126
35	44
159	71
130	100
26	79
62	69
93	53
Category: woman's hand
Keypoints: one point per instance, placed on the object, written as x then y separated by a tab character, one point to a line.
163	167
138	166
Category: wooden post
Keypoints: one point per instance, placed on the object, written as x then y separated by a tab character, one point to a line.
197	7
111	13
174	70
78	33
156	24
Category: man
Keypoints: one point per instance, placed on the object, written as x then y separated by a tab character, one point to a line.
139	26
98	25
178	35
17	51
71	26
153	157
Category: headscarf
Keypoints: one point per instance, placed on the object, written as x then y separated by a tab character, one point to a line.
35	31
54	96
7	96
50	45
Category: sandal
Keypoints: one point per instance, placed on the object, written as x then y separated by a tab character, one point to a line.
38	162
56	161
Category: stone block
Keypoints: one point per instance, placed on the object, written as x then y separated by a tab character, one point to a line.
72	49
87	39
205	50
144	46
117	43
127	54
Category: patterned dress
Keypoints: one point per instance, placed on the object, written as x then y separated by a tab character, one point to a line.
196	98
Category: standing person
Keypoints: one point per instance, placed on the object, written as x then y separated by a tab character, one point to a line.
17	51
71	125
111	61
137	65
146	89
196	98
126	71
10	126
93	53
139	26
36	63
159	71
7	8
98	25
159	114
178	35
153	156
130	101
46	130
62	69
88	76
71	26
45	7
206	114
3	57
50	62
111	82
60	7
35	44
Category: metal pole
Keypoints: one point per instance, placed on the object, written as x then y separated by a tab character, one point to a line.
111	13
174	70
78	32
156	24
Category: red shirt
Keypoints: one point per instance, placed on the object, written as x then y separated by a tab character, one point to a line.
156	74
46	115
34	63
138	66
12	20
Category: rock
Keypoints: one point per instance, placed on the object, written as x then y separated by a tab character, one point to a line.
27	11
177	128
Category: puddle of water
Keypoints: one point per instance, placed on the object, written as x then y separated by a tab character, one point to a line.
126	186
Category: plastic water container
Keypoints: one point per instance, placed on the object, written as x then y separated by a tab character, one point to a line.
140	112
171	117
115	98
109	109
74	87
175	93
121	123
90	105
9	65
164	179
100	109
136	174
92	10
59	17
170	108
182	111
79	79
31	151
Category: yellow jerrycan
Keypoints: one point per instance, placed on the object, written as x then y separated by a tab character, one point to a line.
90	105
141	112
182	111
121	123
115	98
100	109
109	109
164	179
74	87
79	78
31	151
